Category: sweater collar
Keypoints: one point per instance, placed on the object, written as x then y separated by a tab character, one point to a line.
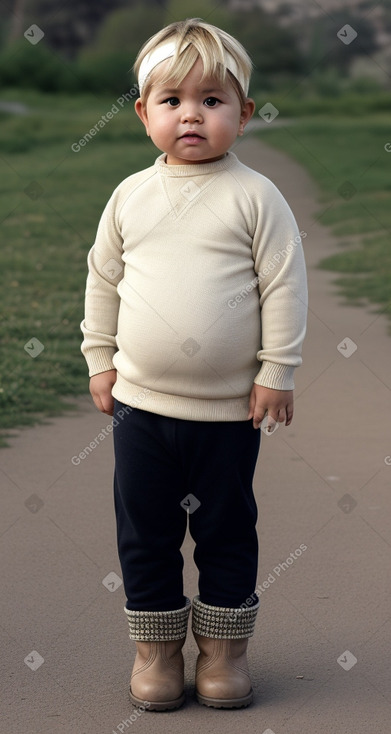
196	169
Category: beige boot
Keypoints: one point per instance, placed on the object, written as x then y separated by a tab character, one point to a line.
157	679
222	674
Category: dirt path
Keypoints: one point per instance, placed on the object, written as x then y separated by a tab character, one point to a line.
322	487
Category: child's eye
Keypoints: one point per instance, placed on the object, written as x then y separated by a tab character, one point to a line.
211	101
171	101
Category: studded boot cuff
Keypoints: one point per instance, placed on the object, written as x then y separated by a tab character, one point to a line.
223	623
158	626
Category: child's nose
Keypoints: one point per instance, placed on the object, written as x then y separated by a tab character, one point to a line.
191	113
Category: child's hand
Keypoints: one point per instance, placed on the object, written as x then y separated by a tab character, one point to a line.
278	404
100	389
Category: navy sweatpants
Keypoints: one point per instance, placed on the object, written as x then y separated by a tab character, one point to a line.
166	470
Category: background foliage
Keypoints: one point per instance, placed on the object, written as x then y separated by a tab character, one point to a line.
92	46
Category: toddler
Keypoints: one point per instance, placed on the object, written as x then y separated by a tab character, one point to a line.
195	315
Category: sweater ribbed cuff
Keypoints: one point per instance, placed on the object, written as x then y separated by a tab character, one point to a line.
276	376
158	626
100	359
223	623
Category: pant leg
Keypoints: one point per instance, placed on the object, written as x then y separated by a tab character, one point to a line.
151	524
220	460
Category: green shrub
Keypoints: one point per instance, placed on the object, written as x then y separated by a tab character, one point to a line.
24	65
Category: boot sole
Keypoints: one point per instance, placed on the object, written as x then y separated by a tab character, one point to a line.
225	703
158	705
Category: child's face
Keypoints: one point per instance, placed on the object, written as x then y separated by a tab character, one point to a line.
213	113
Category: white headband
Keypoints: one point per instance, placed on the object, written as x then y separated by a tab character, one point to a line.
161	53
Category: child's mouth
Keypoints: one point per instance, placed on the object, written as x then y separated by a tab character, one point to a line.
192	137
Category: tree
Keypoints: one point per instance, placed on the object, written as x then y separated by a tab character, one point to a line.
69	25
205	9
273	49
105	63
17	20
327	50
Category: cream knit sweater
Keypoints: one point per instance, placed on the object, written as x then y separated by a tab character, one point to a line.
196	289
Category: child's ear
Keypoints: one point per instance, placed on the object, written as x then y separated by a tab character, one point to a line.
246	114
142	113
248	110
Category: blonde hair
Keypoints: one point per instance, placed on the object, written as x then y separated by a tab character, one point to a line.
204	41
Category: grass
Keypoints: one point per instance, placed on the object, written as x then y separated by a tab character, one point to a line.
297	101
50	204
347	158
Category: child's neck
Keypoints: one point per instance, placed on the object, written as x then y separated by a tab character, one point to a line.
191	163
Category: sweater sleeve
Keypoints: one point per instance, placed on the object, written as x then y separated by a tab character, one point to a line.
281	276
105	271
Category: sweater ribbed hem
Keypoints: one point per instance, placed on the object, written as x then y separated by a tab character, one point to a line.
176	406
276	376
99	359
